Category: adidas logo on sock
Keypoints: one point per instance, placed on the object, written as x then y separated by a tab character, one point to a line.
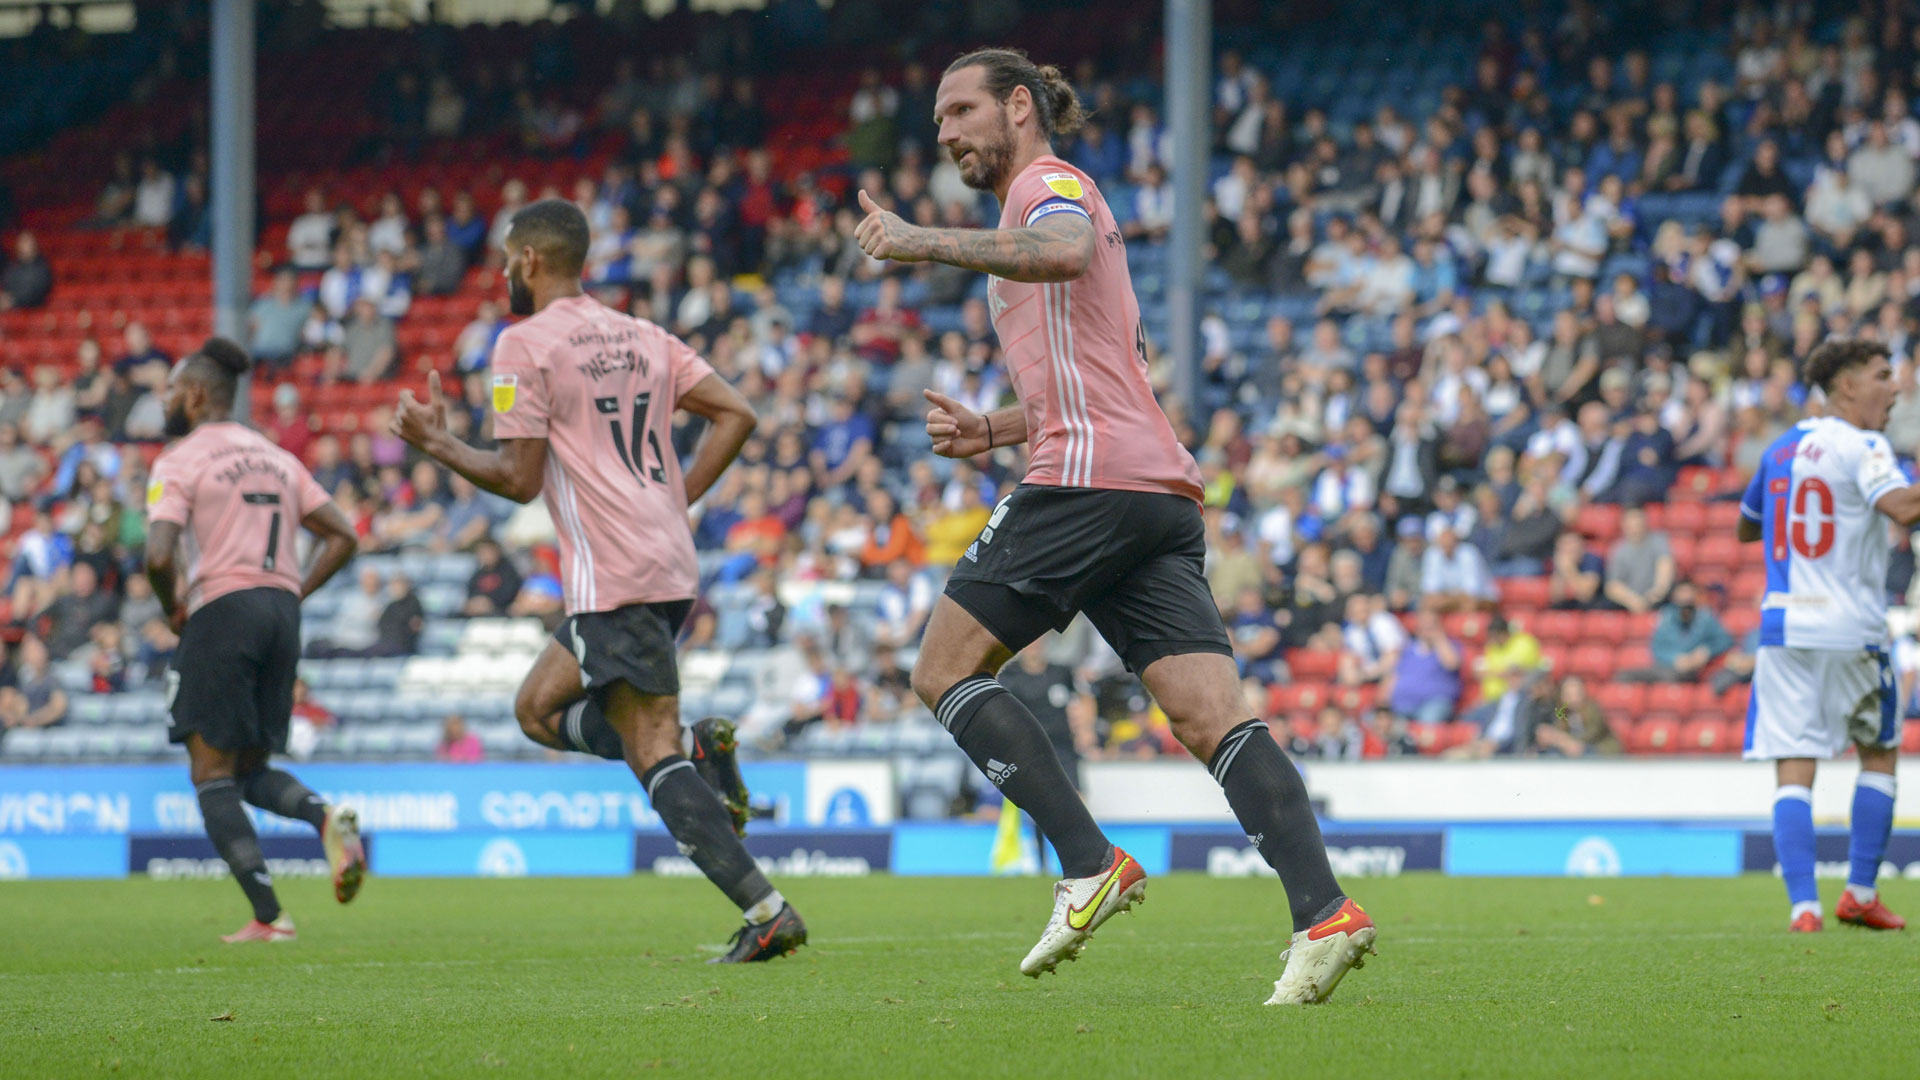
1255	838
998	771
973	552
685	849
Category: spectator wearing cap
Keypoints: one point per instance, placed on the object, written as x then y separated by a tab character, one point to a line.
1639	566
1454	575
1405	566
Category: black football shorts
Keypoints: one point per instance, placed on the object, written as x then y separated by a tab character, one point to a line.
1134	561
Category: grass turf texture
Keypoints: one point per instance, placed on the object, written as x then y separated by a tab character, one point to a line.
915	977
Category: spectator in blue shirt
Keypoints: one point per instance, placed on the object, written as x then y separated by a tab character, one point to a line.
1687	639
841	445
1425	682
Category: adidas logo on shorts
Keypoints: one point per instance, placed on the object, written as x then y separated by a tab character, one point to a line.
998	771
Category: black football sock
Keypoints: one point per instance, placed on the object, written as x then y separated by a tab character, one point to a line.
280	793
1008	744
1270	800
704	830
584	727
233	837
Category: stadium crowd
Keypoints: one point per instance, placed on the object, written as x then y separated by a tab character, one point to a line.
1568	282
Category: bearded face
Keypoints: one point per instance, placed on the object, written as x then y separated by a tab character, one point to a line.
984	163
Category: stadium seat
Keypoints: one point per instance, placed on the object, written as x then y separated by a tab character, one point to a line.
1685	550
1685	518
1598	521
1910	736
1722	518
1313	665
1670	697
1719	550
1555	655
1740	621
1629	657
1305	697
1630	698
1530	592
1595	663
1469	626
1657	734
1705	734
1603	627
1556	626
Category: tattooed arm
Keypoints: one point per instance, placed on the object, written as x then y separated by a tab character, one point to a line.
1058	247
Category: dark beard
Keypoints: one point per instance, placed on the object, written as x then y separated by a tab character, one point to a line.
519	297
991	160
177	424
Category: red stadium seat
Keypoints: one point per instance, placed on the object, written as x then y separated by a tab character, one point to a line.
1685	550
1695	484
1300	697
1457	734
1468	626
1313	665
1530	592
1630	698
1554	655
1910	737
1657	734
1720	551
1595	663
1736	736
1557	626
1603	627
1747	588
1598	521
1705	734
1733	703
1740	621
1633	656
1640	626
1427	737
1686	518
1670	697
1723	517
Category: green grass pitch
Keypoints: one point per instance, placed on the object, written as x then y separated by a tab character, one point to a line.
913	977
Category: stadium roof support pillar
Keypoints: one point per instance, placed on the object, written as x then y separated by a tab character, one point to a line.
1189	35
232	182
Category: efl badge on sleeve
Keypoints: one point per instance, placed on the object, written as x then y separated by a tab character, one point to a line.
1065	185
156	490
503	392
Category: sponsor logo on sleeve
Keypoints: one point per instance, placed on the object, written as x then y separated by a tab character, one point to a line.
504	388
1065	185
156	490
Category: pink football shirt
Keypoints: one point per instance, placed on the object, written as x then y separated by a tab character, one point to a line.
1076	352
601	388
239	501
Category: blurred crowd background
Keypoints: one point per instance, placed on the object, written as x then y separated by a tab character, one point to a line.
1501	307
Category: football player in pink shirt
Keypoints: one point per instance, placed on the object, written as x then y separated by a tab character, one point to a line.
1106	521
224	506
583	399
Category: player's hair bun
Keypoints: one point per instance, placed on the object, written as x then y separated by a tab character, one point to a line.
1065	115
228	354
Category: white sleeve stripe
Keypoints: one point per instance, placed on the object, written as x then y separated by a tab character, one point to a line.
1749	512
1887	488
1046	208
